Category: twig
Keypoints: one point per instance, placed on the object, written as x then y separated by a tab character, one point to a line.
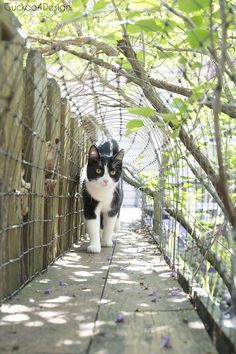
179	14
56	45
192	231
126	48
222	182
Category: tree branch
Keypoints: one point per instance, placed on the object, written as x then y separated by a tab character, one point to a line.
156	102
192	231
54	45
222	181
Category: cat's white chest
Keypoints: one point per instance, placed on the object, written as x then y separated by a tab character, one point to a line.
103	195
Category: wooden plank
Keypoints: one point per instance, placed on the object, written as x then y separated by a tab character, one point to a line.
141	288
64	171
80	317
35	148
51	202
84	146
62	321
76	173
9	24
71	182
11	109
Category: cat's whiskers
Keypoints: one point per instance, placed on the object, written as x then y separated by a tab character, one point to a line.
102	192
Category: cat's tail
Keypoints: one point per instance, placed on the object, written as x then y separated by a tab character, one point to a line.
115	146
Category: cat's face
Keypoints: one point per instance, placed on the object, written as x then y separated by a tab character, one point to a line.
104	171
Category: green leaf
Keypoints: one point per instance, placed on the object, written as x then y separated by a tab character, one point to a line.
79	4
183	60
139	56
197	93
71	15
196	65
180	104
167	24
171	118
100	4
198	37
141	5
133	125
193	5
142	111
163	55
132	29
148	25
175	133
197	20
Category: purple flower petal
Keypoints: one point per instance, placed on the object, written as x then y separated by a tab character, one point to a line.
165	343
211	270
47	291
120	318
174	275
175	292
62	283
151	292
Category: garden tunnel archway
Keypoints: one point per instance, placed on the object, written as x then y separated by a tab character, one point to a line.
166	110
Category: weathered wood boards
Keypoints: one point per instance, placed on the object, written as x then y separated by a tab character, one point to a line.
140	286
52	167
79	316
40	148
11	106
34	153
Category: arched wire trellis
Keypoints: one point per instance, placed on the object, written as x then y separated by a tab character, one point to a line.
173	165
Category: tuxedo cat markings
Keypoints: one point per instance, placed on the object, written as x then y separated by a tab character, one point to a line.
102	193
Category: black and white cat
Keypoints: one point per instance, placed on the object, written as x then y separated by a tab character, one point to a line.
102	193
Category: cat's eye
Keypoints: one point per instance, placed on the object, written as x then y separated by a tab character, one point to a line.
113	172
98	171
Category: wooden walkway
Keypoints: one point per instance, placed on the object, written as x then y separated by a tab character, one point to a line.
123	300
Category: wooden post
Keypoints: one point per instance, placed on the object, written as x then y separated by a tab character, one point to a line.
71	182
34	153
157	216
83	158
64	168
75	174
159	201
81	163
11	111
51	202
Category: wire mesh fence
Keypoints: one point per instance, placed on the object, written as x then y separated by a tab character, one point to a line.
158	78
42	151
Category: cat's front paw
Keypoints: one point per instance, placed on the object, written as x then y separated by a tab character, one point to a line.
106	243
94	249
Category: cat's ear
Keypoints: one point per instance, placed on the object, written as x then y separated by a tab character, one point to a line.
119	155
93	153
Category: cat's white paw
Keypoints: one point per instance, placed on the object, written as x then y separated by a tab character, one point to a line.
94	249
106	243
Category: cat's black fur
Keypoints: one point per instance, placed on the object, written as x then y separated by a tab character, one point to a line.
110	156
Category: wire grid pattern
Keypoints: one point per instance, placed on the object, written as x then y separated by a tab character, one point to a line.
179	199
42	152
